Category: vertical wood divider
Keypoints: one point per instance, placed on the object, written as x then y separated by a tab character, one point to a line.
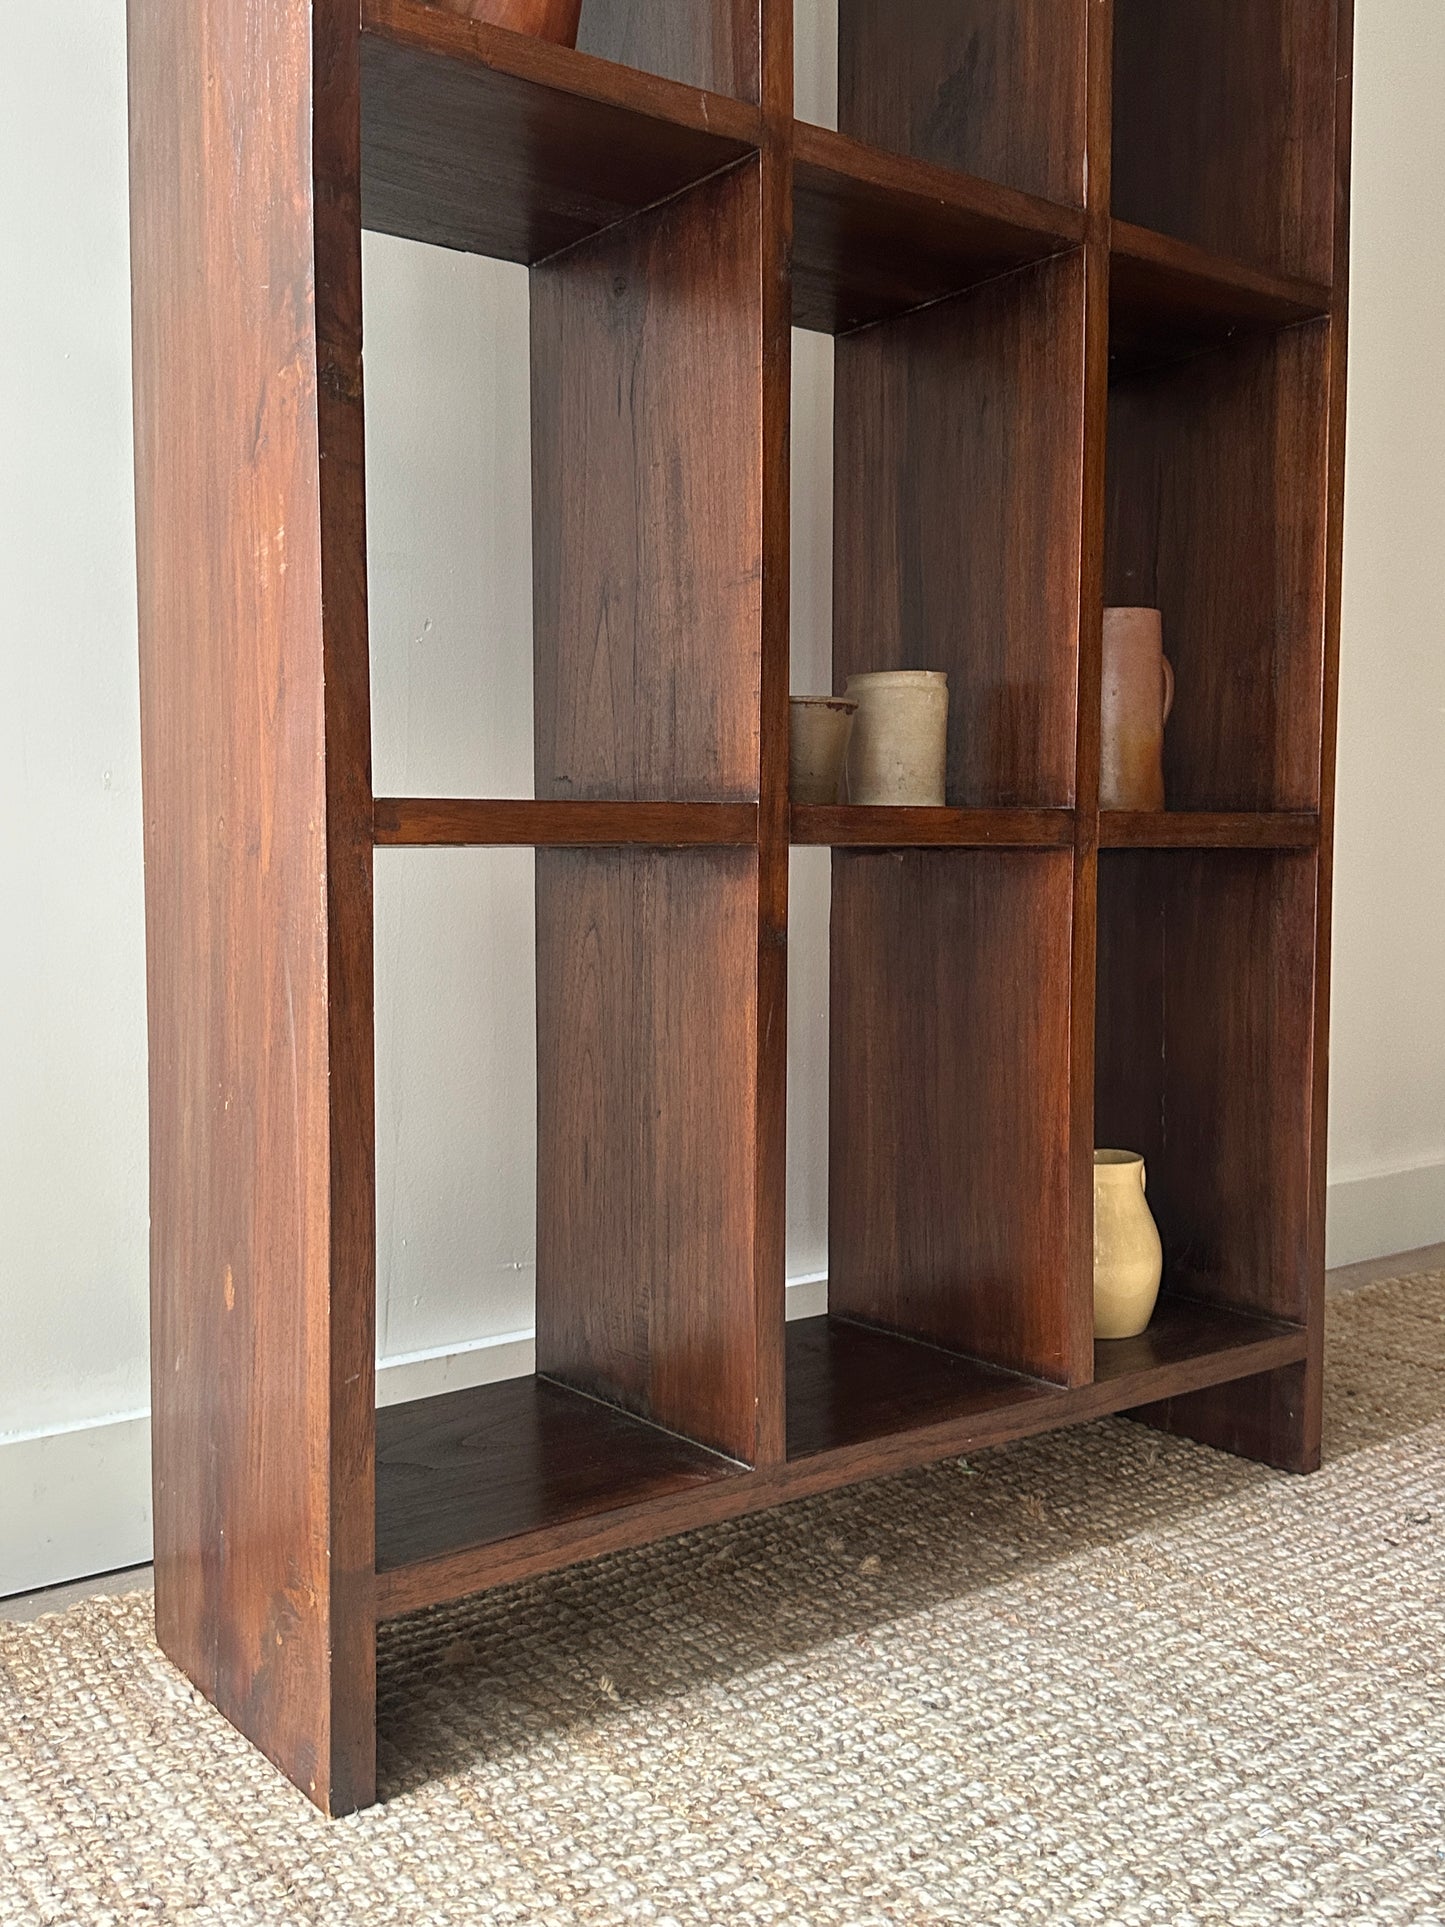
770	1231
1099	58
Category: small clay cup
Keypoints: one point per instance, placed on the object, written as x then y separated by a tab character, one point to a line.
820	732
1138	696
555	20
899	749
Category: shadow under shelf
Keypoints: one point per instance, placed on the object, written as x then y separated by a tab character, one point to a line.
500	144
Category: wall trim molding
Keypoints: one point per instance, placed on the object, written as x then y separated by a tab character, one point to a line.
1376	1215
76	1499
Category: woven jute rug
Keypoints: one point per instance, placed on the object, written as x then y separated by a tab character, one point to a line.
1102	1677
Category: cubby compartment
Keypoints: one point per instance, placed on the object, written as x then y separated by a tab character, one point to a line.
948	1144
1204	1063
569	602
992	88
1224	127
957	449
935	148
539	1020
479	138
1217	512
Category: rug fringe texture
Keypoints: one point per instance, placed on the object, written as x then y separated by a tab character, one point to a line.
1098	1679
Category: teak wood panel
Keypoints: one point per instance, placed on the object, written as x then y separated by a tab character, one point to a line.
1217	499
949	1193
704	43
647	1068
861	1404
1169	299
878	234
246	332
1206	982
647	543
958	464
473	1467
1224	126
500	144
994	87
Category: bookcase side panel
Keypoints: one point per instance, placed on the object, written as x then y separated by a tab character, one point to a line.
260	1448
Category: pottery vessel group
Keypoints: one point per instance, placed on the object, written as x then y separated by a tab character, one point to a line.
1128	1256
1138	696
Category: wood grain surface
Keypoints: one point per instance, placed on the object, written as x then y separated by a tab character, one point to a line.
647	544
246	332
861	1404
1224	121
476	138
646	1074
949	1193
994	89
879	233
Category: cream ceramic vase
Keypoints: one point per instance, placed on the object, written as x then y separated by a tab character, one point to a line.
822	727
900	738
1128	1257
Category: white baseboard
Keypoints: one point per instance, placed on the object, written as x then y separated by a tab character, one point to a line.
1386	1212
77	1500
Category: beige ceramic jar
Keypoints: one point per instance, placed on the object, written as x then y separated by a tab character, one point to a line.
900	738
1128	1257
821	729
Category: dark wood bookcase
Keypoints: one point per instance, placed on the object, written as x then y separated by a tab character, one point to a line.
1085	264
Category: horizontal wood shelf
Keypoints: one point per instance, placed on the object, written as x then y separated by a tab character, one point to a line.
439	822
877	234
1169	299
1208	830
467	1468
505	145
855	826
483	1487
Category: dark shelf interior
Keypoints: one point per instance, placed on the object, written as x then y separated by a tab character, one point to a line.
849	1384
1203	1060
474	1467
498	144
1224	127
877	234
1217	514
1169	300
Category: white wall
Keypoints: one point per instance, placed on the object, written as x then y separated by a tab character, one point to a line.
1387	1134
447	424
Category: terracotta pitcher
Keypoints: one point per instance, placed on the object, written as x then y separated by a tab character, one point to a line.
1128	1257
543	19
1138	696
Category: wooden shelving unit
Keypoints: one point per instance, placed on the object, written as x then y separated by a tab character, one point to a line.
1085	264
